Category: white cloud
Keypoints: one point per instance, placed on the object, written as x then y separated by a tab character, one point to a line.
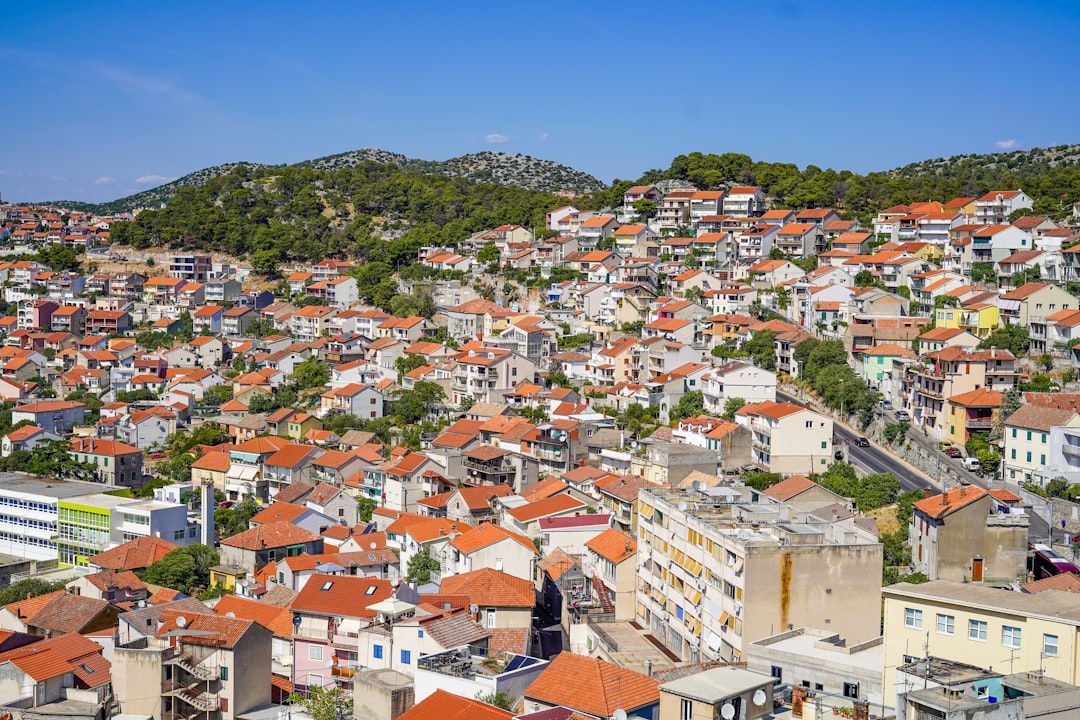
544	137
148	179
497	139
105	181
1006	144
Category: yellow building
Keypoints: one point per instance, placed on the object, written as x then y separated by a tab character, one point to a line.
980	319
225	576
301	423
981	626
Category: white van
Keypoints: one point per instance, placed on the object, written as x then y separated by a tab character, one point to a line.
970	463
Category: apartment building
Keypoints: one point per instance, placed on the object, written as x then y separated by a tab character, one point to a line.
994	207
192	268
788	438
722	567
29	513
982	626
90	524
486	374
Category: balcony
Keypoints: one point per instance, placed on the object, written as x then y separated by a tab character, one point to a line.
1070	450
979	423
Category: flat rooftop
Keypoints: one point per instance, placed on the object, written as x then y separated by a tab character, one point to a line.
21	483
810	644
1053	605
715	685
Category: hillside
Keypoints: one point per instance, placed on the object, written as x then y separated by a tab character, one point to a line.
489	167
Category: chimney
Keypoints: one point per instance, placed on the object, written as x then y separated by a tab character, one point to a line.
207	534
862	710
927	492
798	696
648	667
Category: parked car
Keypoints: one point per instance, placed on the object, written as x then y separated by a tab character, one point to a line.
862	442
903	415
886	405
971	464
953	451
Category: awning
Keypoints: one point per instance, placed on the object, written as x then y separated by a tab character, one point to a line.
725	618
347	626
712	640
738	564
243	473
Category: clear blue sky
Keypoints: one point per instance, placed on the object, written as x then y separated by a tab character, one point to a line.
105	101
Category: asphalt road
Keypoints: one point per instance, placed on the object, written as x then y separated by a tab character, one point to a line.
873	459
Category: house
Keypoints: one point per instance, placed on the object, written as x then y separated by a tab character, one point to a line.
972	413
363	401
803	494
333	502
449	706
25	438
489	546
770	273
612	556
994	207
185	663
254	548
965	621
968	534
502	600
207	319
788	438
719	691
1028	434
146	428
115	463
58	613
742	201
135	555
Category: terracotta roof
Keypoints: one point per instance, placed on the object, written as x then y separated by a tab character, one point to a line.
613	545
592	686
277	512
62	612
547	506
341	595
135	554
200	629
275	619
270	535
1065	582
447	706
1038	417
623	487
790	487
939	506
487	534
479	497
490	588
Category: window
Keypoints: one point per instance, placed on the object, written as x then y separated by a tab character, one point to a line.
686	709
946	624
778	674
376	652
225	672
314	680
809	423
178	534
1050	644
420	634
1010	636
489	618
314	652
819	687
1029	455
679	612
406	657
977	630
824	445
851	690
913	618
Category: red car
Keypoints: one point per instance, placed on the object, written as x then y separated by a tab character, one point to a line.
953	452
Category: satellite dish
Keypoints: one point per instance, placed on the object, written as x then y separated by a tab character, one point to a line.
181	621
373	545
759	697
474	609
682	507
695	485
230	614
329	662
727	711
619	714
589	572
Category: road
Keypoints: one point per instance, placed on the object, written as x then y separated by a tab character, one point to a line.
874	459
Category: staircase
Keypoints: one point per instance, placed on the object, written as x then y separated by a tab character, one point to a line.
202	701
602	595
190	664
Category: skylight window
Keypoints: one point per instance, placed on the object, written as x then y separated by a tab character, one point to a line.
370	590
326	586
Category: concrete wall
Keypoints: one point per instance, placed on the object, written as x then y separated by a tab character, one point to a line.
382	694
852	664
949	549
250	670
136	680
836	588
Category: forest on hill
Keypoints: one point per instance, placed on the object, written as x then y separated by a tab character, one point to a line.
1050	176
369	211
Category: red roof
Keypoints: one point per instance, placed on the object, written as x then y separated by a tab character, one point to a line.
448	706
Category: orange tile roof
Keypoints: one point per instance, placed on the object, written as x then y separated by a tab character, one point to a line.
613	545
275	619
448	706
941	505
980	397
790	487
543	508
270	535
1065	582
593	686
487	534
346	596
278	512
135	554
490	588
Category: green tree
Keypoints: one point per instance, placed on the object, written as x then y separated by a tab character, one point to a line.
415	405
30	587
691	404
876	490
405	364
325	703
644	208
53	459
488	254
761	349
311	373
1040	383
133	396
841	479
186	569
820	355
501	698
232	520
421	566
732	406
263	403
760	480
905	504
366	508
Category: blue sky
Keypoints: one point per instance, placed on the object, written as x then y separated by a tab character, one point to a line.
105	99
